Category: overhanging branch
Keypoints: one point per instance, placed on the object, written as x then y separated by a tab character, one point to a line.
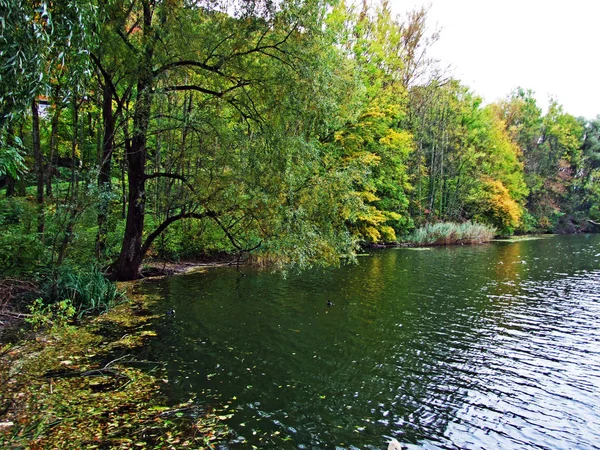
172	176
216	68
163	226
231	238
218	94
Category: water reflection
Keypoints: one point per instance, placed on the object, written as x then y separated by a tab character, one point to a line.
489	346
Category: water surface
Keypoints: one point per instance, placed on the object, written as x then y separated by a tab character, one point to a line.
493	346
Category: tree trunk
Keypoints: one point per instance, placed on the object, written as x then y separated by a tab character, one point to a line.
104	182
53	140
39	164
22	183
10	186
10	181
74	145
123	189
128	264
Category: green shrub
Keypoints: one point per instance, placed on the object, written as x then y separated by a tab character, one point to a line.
55	315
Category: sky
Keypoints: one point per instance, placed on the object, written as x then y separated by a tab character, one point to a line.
494	46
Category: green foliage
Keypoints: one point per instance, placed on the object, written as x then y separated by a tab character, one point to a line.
36	39
556	160
55	315
21	251
12	162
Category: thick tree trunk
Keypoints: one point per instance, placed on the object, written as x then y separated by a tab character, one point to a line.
128	264
104	182
10	186
39	164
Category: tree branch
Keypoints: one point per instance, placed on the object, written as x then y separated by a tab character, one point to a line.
163	226
193	88
170	175
230	236
218	94
261	48
189	63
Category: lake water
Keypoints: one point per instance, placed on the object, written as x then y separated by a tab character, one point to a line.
492	346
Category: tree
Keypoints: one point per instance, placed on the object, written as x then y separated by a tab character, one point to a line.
227	70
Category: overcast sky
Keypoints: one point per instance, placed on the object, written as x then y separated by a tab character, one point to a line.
494	46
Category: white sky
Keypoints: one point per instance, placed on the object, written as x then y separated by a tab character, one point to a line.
493	46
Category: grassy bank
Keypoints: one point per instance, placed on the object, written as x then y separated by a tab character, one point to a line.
82	387
448	233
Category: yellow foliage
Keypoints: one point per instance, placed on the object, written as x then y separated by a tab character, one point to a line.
371	234
368	196
393	215
388	233
497	203
377	112
399	140
374	217
368	158
371	226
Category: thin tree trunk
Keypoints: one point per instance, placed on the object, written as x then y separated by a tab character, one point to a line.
21	185
53	140
123	190
39	164
10	181
74	144
104	182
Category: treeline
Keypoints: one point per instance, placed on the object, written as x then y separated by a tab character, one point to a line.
296	130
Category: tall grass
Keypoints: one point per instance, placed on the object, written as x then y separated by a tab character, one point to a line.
89	291
448	233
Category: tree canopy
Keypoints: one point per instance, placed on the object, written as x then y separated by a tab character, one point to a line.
295	131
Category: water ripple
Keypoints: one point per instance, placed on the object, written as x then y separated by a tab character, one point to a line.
461	348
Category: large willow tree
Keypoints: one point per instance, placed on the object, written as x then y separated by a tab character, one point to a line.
232	72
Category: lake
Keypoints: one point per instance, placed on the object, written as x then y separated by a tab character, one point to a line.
490	346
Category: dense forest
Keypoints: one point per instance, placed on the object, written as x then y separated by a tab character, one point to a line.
294	131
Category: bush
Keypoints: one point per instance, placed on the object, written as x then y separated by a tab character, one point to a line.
56	315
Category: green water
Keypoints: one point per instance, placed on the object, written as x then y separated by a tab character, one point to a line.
493	346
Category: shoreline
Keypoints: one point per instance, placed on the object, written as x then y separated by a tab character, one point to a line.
82	386
157	268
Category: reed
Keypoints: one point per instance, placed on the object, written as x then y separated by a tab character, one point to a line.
449	233
89	291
